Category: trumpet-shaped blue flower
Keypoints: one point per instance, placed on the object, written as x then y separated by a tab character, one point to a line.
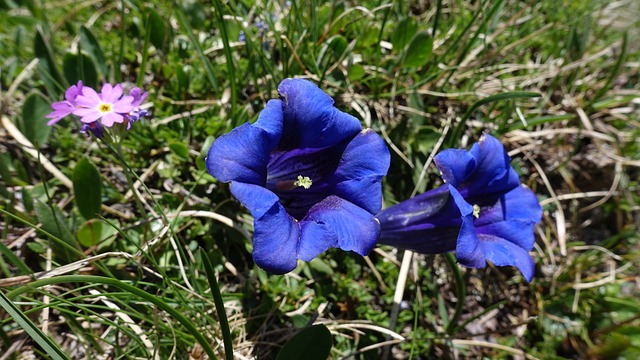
482	212
309	175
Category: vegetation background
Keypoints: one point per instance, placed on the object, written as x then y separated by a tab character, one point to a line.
556	81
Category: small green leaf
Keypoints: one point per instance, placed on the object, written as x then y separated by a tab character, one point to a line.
356	72
80	67
88	188
34	122
5	169
49	72
157	29
338	44
403	33
320	266
90	45
94	232
37	247
612	346
419	50
299	321
312	343
53	222
180	149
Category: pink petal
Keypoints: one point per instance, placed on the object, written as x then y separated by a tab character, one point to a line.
88	115
109	119
111	94
57	115
62	105
89	98
123	105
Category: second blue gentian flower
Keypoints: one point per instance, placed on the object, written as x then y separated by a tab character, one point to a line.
309	175
482	212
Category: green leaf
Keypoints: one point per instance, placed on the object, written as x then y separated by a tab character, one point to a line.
90	45
338	44
87	187
94	232
312	343
612	347
419	50
299	321
540	120
49	346
49	72
157	29
64	244
5	168
320	266
356	72
180	149
34	122
80	67
403	33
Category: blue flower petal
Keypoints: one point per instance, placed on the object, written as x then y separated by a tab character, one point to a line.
363	164
493	174
310	119
482	174
468	250
456	165
241	155
271	121
335	222
512	218
276	233
504	253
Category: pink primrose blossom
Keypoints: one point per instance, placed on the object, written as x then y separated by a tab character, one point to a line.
108	106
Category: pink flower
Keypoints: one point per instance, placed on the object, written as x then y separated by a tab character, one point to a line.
109	105
66	107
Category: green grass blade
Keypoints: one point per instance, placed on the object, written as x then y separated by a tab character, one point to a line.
49	346
15	260
461	292
194	40
616	69
197	334
455	134
227	53
217	298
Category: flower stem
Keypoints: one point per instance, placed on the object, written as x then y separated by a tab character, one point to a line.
461	291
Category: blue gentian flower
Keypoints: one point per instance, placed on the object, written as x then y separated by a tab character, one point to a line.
309	175
482	212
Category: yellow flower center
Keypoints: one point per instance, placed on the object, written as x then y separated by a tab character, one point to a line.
304	182
476	211
104	108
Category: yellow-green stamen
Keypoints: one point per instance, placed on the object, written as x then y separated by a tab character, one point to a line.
476	211
304	182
